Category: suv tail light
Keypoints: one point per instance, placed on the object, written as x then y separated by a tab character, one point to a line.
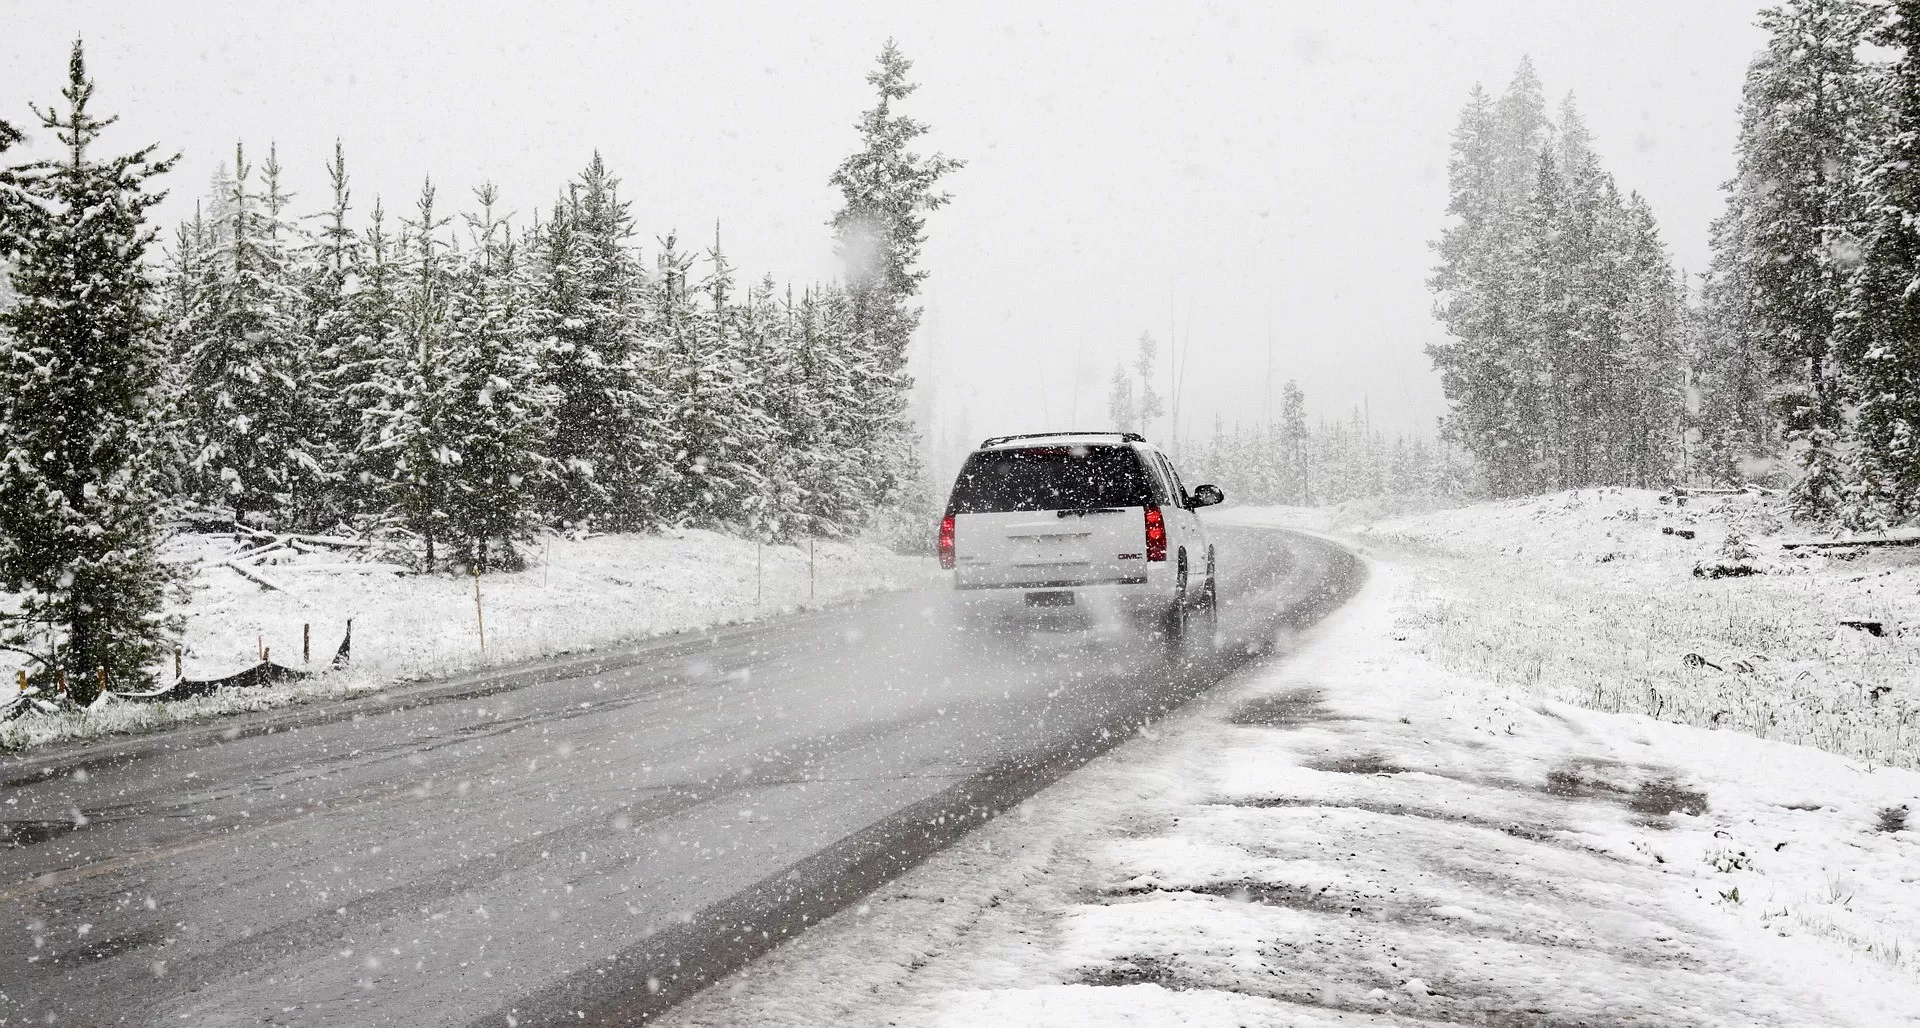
946	542
1156	534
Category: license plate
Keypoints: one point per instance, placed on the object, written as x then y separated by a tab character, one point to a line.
1061	599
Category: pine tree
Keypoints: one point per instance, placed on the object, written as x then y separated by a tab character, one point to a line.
418	391
187	268
588	305
1807	113
886	191
828	467
1645	401
496	411
1728	371
1881	332
1148	406
250	361
1297	488
701	396
80	354
1534	408
372	354
328	281
1120	401
1488	380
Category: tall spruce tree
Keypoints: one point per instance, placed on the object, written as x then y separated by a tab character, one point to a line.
886	191
1729	372
249	360
328	279
1806	117
1646	401
1881	333
701	395
1484	366
371	355
417	391
497	411
588	306
80	355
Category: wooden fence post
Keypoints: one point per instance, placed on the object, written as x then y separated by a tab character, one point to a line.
479	612
306	643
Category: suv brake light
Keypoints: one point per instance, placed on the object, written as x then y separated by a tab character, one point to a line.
946	542
1156	534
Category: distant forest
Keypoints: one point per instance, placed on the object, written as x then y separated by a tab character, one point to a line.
1575	354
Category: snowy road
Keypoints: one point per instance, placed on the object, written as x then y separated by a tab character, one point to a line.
487	852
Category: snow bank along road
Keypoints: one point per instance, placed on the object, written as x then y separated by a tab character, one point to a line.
576	842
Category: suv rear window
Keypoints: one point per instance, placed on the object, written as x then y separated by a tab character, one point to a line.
1050	478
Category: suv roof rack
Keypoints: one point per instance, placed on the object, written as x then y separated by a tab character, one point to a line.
1131	437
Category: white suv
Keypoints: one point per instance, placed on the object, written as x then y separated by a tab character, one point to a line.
1094	526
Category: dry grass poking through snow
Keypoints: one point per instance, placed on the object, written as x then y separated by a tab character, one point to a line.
1584	597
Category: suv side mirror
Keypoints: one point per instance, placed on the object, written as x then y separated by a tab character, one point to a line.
1206	496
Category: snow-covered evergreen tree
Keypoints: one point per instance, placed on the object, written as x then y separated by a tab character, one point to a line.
1729	370
588	305
250	361
80	355
1806	118
702	400
496	416
886	191
1147	405
1646	399
417	391
370	352
328	278
1477	279
1295	486
1881	332
1121	409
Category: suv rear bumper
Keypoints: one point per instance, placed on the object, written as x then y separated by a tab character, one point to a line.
1097	583
1093	602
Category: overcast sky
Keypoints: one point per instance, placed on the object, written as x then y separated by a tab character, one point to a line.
1168	165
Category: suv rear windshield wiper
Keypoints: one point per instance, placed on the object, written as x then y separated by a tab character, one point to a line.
1083	511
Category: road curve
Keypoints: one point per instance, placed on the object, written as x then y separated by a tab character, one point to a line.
578	841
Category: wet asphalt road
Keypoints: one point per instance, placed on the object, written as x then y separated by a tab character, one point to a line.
578	842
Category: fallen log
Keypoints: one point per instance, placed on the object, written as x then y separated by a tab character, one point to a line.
252	576
254	551
333	541
1840	544
363	567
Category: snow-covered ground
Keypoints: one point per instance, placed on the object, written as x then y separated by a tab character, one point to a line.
577	595
1591	597
1376	831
